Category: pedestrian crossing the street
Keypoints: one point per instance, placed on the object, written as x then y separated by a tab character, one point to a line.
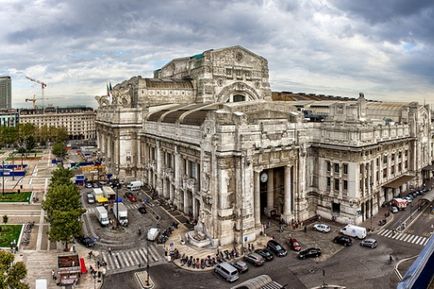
404	237
117	260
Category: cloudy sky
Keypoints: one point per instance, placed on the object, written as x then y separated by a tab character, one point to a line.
383	48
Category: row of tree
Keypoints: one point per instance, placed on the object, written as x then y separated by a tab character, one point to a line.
11	273
63	207
26	133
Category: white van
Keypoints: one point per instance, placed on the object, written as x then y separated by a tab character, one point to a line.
227	271
354	231
102	215
152	234
135	185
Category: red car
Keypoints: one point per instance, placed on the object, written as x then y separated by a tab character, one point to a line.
294	244
130	196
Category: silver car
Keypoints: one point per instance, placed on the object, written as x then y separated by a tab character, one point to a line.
370	243
322	228
241	266
255	259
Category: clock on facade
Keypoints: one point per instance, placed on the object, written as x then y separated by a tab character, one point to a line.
264	177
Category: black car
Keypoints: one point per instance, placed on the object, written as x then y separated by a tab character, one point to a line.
142	210
276	248
87	241
309	253
265	253
343	240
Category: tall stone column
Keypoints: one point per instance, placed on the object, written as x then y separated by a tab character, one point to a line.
177	167
159	177
186	197
172	193
287	213
257	188
270	191
193	201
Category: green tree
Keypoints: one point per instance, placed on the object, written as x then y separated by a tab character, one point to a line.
65	225
61	134
30	143
59	150
11	274
25	131
61	175
61	197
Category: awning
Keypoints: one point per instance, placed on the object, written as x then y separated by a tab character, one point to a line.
428	168
398	182
83	268
429	196
101	199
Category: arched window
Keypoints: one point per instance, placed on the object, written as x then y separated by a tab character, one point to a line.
238	98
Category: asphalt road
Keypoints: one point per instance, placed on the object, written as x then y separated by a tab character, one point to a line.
355	267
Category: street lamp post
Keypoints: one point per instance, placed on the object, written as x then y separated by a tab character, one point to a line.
3	177
147	262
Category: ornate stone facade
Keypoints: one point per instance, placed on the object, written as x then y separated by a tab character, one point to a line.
206	135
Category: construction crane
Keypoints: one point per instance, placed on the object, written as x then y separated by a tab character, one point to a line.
43	86
33	100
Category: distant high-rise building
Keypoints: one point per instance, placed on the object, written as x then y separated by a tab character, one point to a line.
5	92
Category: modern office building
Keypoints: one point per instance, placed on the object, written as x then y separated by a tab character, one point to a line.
209	135
9	117
78	121
5	92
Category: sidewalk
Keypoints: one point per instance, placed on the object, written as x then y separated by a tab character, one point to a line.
372	223
40	263
201	253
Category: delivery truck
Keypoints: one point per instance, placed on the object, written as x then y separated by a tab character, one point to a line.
354	231
135	185
102	215
121	213
109	193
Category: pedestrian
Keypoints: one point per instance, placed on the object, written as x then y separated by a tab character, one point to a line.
53	274
98	264
110	250
305	229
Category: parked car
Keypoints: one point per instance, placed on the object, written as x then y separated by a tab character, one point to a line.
409	199
227	271
394	209
255	259
87	241
241	266
370	243
322	228
276	248
309	253
265	253
131	197
142	210
343	240
88	185
294	244
90	198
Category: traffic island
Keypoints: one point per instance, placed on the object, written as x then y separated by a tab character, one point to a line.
142	278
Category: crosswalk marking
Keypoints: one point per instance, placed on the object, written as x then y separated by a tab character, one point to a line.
405	237
130	258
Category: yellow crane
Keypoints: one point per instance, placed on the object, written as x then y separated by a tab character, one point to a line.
33	100
43	86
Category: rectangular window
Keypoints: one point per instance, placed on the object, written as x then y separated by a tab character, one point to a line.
328	166
393	157
384	159
345	185
385	173
345	169
328	182
336	168
336	184
378	162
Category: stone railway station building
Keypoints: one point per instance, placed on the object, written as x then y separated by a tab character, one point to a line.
210	136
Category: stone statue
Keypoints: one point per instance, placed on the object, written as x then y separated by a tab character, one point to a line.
199	229
102	100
